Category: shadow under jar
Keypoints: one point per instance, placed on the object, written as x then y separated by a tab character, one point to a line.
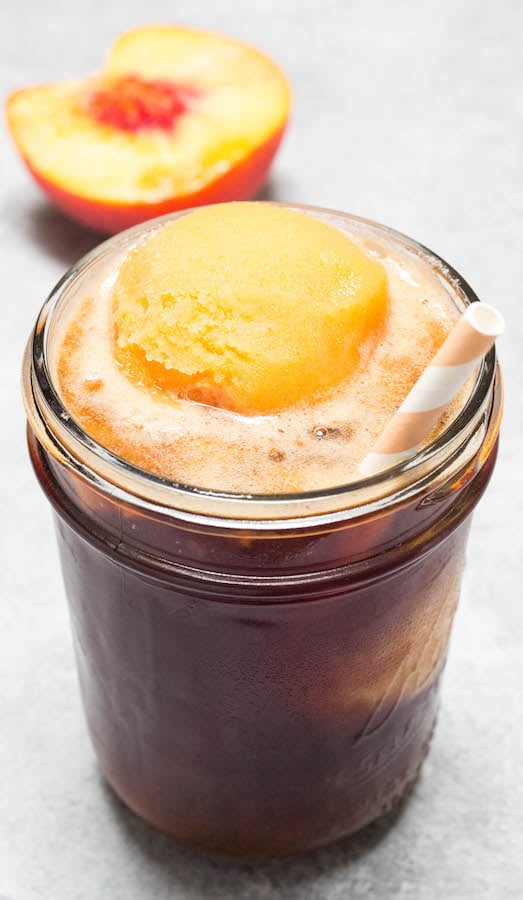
260	674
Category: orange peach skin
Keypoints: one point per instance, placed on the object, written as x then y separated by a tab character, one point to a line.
242	182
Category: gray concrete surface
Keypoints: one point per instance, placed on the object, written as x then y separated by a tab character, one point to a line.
408	112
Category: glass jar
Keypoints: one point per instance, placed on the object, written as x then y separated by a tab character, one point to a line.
260	674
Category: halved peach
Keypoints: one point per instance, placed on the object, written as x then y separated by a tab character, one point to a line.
177	118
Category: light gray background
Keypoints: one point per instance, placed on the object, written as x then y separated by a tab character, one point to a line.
408	112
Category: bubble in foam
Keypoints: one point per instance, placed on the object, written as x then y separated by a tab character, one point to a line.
341	431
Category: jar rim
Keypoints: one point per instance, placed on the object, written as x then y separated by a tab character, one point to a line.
61	433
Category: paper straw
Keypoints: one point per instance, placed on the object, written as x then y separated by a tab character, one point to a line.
470	339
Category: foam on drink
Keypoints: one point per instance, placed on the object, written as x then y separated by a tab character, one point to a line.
143	400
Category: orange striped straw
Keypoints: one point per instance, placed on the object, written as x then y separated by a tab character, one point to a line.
470	339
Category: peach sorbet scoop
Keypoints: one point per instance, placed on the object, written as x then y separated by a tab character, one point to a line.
246	306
